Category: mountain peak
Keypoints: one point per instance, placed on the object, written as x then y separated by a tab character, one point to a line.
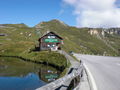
51	22
58	21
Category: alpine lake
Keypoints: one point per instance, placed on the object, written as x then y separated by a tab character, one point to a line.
16	74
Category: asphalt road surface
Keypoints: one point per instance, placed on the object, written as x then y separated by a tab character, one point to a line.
105	70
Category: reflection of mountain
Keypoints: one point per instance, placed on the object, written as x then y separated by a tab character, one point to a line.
48	75
15	67
11	67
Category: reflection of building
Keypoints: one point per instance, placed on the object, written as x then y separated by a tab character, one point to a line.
48	75
50	41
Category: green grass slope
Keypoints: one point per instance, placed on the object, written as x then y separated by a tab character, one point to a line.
19	40
79	40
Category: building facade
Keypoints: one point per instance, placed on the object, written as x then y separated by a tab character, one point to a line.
50	41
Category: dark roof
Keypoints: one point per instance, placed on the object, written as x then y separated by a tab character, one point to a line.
51	33
2	34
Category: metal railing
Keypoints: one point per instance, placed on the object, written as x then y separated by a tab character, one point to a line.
62	82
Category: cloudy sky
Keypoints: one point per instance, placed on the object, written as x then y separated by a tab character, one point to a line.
80	13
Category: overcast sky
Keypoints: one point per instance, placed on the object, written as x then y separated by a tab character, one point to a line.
80	13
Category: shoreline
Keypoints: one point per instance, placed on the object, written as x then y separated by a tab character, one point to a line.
60	68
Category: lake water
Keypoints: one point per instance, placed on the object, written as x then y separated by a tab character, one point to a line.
16	74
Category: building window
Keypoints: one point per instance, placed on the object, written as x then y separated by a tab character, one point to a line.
51	36
48	36
48	45
53	45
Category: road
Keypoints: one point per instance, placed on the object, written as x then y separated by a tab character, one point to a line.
104	70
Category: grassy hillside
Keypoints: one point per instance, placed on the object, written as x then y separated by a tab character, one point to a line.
19	39
16	39
79	40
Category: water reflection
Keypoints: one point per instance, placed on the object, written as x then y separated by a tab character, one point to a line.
48	75
21	75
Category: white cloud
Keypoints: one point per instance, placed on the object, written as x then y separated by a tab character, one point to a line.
95	13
